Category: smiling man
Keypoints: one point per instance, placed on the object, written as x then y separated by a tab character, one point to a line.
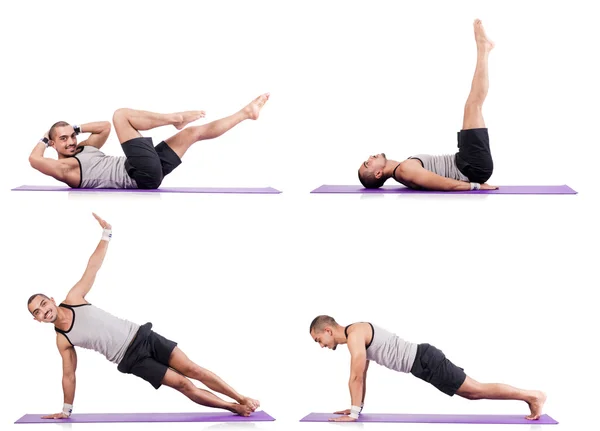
367	342
144	166
134	348
469	168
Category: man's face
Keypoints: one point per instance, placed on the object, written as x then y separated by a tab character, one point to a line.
324	338
373	164
43	309
64	141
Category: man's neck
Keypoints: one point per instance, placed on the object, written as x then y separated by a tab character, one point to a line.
388	169
64	318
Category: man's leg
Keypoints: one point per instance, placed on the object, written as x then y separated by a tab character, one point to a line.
184	139
201	396
127	122
181	363
473	117
474	390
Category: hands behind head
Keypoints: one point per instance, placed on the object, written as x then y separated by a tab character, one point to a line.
103	223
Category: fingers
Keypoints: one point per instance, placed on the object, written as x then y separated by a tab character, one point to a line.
103	223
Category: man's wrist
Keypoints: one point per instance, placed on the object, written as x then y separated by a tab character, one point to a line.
67	409
45	141
354	412
77	129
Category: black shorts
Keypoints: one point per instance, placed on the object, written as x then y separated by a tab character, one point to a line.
147	356
474	158
432	366
147	164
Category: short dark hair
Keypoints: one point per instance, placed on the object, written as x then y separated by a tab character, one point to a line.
54	126
320	322
32	297
368	180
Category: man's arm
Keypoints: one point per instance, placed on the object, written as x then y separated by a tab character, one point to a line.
69	361
364	385
51	167
432	181
79	291
358	365
99	133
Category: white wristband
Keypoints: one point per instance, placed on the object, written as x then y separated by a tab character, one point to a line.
354	412
106	234
475	186
67	409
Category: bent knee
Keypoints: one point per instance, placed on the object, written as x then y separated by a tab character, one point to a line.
120	115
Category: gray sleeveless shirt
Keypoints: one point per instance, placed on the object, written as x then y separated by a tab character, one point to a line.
443	165
99	171
391	351
95	329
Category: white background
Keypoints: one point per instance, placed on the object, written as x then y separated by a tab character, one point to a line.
502	284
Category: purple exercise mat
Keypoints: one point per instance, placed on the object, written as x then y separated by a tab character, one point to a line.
259	416
502	190
436	419
239	190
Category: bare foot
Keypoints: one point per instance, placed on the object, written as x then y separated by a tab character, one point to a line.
535	405
253	108
481	38
188	117
251	402
242	409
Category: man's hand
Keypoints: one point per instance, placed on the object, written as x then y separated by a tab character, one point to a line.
342	412
103	223
60	415
342	419
486	186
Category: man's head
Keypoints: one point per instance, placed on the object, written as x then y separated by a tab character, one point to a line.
322	330
370	172
42	308
63	138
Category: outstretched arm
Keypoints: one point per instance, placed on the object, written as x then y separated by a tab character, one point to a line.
432	181
99	133
79	291
69	361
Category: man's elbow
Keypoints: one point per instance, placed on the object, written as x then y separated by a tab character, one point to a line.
33	161
106	126
356	378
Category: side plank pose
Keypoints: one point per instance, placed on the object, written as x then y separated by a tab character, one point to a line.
144	166
136	349
469	168
367	342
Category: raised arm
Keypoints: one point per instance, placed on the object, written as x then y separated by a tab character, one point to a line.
99	133
77	294
69	362
54	168
431	181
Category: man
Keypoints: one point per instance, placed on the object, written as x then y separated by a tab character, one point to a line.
83	165
367	342
136	349
469	169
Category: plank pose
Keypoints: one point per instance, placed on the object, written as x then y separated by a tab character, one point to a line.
136	349
144	166
367	342
469	168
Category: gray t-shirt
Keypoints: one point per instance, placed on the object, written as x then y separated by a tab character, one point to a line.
443	165
99	171
391	351
95	329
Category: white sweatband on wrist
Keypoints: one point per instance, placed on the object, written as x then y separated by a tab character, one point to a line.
106	234
354	412
67	409
475	186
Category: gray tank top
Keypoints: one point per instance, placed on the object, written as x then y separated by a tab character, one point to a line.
99	171
95	329
391	351
443	165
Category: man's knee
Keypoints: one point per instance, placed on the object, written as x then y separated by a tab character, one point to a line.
121	115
